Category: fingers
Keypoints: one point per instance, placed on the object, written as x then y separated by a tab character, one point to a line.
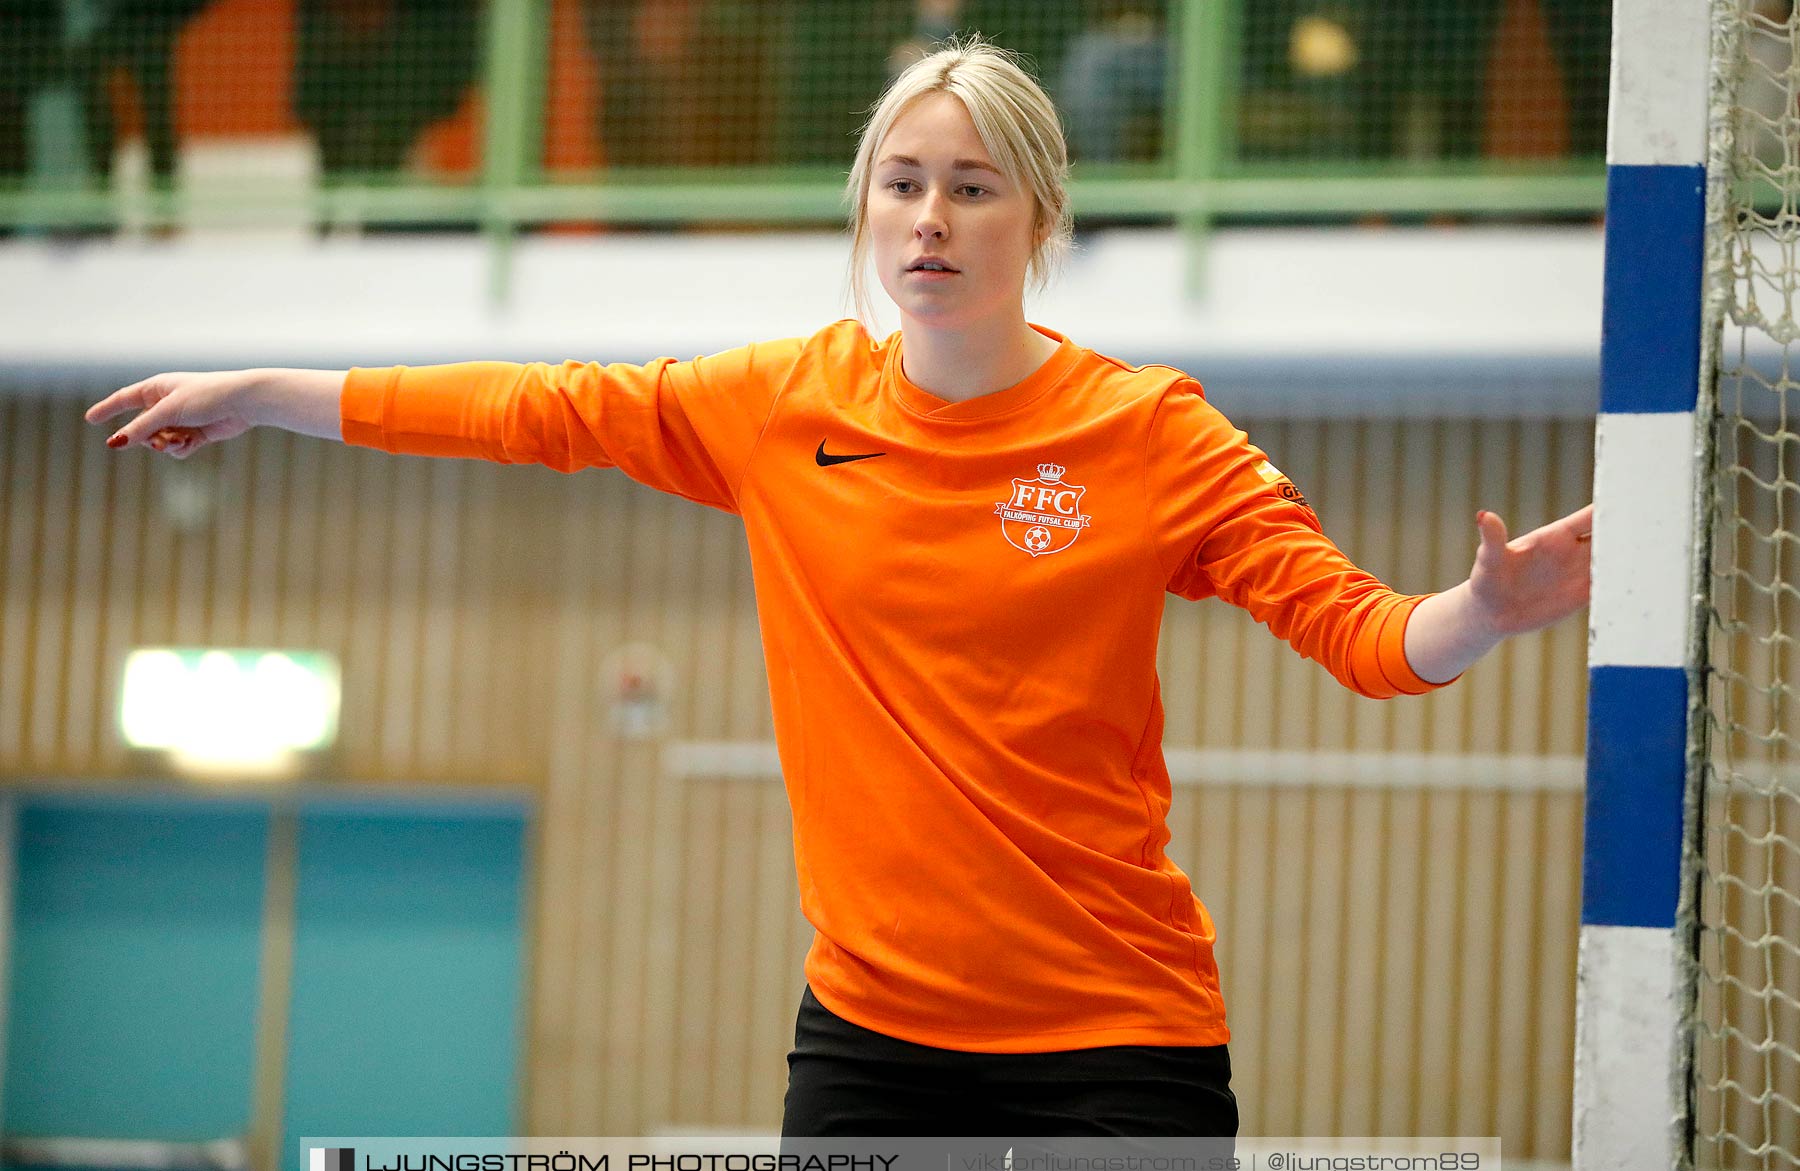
146	397
130	398
182	442
176	441
160	417
179	442
1492	529
1578	525
1581	523
177	414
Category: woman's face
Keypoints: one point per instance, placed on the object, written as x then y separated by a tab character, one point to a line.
935	195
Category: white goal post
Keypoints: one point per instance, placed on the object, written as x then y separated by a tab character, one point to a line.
1688	1010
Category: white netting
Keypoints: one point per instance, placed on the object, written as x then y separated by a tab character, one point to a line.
1744	905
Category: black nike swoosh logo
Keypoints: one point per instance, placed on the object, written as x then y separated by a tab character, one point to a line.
826	461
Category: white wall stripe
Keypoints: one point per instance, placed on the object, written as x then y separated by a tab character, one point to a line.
1500	297
757	760
1643	539
1625	1023
1659	83
1376	770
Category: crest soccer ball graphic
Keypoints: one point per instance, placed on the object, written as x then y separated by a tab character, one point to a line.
1042	515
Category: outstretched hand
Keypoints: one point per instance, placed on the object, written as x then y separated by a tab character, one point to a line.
179	413
1516	586
1531	581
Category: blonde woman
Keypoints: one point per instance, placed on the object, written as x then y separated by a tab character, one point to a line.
964	679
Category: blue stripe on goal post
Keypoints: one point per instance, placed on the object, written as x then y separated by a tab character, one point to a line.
1630	1100
1636	774
1650	323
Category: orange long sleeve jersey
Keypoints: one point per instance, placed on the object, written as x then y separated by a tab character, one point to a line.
960	604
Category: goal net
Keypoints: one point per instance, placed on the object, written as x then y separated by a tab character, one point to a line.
1742	909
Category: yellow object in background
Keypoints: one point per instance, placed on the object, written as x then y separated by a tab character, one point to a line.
1321	47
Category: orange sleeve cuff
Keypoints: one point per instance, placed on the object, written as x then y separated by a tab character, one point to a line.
364	404
444	410
1390	651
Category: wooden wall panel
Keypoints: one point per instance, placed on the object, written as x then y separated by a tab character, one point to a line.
1397	959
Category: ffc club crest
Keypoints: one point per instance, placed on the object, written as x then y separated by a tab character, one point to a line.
1043	515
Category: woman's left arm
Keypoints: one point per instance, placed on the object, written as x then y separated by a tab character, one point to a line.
1515	587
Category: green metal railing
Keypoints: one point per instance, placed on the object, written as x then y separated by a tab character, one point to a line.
1202	174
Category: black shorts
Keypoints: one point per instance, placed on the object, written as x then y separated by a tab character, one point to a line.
848	1081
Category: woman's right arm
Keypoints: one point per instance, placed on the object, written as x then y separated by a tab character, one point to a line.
682	427
183	412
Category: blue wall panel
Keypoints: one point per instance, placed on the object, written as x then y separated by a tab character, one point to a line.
407	962
131	1009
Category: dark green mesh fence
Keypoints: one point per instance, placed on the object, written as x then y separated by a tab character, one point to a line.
319	94
1420	80
370	78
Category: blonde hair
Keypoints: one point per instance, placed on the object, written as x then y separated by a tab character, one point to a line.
1017	123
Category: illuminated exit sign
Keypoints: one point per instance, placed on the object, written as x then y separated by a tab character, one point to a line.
215	708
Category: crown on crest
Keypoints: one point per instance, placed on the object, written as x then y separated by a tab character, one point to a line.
1051	473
